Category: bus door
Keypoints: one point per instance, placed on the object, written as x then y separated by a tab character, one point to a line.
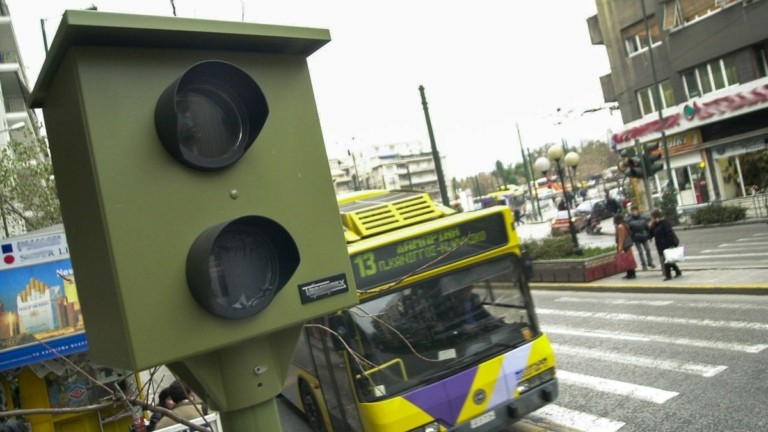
332	372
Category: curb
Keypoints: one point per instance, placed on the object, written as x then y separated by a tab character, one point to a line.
754	289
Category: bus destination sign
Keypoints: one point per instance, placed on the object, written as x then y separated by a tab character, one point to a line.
391	262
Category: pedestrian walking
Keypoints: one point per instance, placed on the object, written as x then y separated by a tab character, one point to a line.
625	259
665	238
638	226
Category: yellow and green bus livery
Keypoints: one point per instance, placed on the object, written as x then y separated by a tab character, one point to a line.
445	336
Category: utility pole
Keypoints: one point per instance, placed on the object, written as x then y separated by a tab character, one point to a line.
536	189
435	153
527	173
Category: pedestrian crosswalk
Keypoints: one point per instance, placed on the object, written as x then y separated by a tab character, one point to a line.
623	359
747	251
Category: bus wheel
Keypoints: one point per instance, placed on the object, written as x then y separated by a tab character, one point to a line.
311	408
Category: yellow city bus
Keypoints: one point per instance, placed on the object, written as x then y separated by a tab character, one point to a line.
445	336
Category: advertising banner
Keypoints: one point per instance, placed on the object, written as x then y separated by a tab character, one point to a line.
40	315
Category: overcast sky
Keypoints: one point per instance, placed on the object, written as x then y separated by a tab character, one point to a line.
486	66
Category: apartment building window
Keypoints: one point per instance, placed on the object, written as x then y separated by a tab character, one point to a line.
636	38
646	98
761	59
710	76
679	12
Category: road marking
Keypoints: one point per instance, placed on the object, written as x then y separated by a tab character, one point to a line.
639	337
695	257
575	419
659	319
705	370
635	391
615	301
749	239
741	246
673	303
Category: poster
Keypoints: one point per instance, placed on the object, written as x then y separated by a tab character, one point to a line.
40	314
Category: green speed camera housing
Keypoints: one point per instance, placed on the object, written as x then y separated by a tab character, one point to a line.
195	189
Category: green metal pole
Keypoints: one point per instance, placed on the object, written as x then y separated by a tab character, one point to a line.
657	97
262	417
435	153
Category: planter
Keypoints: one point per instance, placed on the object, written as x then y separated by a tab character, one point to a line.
575	270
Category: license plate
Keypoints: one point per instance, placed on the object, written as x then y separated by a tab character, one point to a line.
483	419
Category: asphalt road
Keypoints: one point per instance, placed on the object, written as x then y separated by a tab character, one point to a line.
737	246
657	362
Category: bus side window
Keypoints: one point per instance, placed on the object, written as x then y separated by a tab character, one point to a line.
338	323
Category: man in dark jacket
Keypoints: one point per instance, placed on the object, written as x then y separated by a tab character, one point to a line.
638	226
664	236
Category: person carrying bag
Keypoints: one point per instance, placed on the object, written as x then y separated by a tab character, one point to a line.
625	259
665	238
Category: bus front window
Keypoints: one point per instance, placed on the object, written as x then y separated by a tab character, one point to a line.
433	328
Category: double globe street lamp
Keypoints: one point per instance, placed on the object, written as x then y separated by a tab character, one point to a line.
557	153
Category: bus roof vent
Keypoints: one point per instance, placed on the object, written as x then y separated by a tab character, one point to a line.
390	210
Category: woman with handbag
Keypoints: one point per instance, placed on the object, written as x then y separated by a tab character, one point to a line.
665	238
625	259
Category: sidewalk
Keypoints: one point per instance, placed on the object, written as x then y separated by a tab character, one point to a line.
722	281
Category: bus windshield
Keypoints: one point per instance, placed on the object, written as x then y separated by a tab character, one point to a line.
437	327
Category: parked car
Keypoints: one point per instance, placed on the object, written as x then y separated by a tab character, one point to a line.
598	207
560	222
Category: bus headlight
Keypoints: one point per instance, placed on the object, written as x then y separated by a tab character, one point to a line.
535	380
429	427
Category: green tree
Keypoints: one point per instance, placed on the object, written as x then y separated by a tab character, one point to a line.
27	185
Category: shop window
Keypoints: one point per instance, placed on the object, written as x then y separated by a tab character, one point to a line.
711	76
636	38
683	177
647	99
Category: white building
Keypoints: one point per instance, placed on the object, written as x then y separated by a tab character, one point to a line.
405	165
16	121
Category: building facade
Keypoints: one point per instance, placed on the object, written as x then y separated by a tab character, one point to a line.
405	165
699	88
17	122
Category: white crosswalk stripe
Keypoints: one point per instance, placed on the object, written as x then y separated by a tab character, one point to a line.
640	337
675	303
576	419
657	319
702	369
621	388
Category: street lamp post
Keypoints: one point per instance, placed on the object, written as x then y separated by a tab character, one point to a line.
542	165
572	161
556	154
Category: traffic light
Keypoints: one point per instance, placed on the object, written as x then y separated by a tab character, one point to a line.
652	157
630	164
196	194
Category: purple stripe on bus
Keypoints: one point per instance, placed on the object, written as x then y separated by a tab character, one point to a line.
444	400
